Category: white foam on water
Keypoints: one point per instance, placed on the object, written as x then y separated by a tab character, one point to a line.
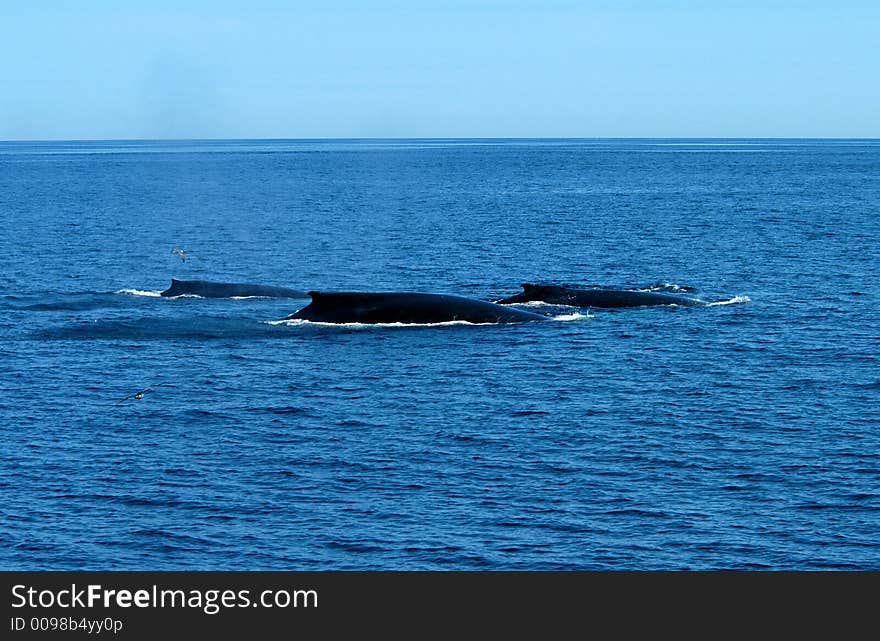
293	322
138	292
668	287
539	303
571	317
732	301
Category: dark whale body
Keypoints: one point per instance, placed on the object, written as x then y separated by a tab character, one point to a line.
208	289
599	297
406	307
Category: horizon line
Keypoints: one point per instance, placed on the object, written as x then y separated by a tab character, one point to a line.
429	138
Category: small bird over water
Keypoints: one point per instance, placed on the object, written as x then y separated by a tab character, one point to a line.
179	252
137	395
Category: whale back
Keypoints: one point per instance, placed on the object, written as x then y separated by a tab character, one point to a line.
405	307
596	296
210	289
533	292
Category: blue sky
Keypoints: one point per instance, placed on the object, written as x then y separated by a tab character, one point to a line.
335	68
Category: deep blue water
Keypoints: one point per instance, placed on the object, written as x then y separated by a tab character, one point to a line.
739	436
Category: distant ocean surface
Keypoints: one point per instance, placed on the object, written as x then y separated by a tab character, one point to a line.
735	436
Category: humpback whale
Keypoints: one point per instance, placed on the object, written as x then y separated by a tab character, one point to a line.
208	289
406	307
598	297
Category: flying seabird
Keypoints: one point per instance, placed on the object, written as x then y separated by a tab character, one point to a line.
138	395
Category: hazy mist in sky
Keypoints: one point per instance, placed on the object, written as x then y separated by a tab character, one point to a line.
273	69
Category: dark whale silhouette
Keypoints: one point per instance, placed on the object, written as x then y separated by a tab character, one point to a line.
406	307
208	289
599	297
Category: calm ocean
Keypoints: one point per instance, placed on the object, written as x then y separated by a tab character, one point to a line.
736	436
